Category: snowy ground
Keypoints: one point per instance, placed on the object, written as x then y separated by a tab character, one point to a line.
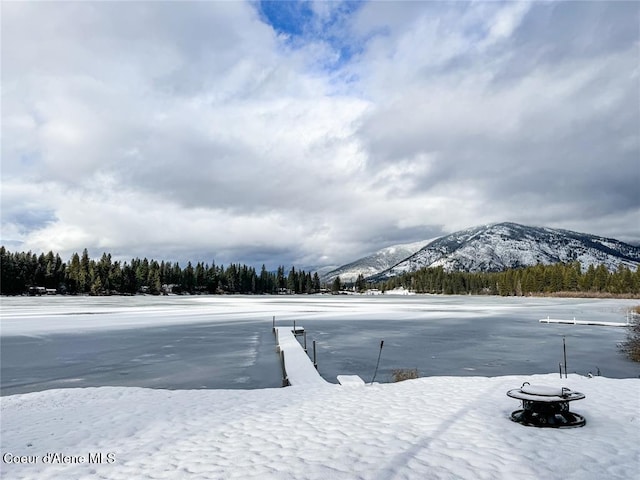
430	428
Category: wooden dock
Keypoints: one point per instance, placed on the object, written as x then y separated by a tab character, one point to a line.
583	322
297	367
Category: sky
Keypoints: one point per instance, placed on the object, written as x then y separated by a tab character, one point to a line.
313	133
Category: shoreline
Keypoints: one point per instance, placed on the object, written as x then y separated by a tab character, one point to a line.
560	294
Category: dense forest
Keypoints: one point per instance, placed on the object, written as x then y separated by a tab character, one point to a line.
83	275
536	280
22	271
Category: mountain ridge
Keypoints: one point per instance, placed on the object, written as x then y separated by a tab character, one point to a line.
499	246
375	263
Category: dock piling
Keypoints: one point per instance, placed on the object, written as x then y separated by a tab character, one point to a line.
285	380
564	348
315	362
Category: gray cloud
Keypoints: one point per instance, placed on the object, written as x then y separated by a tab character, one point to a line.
562	130
202	132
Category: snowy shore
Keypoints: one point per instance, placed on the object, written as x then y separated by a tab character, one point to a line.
429	428
437	427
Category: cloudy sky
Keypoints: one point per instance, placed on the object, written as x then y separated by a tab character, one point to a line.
313	133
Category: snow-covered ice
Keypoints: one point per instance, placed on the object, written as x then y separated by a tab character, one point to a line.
429	428
56	314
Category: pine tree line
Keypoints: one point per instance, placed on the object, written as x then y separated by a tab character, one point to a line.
82	275
538	279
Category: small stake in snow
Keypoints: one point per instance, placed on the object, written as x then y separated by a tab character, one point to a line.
378	362
564	348
285	379
315	362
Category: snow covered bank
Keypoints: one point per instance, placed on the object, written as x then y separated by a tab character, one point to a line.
430	428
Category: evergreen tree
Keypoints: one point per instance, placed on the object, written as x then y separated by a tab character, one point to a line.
336	286
83	280
116	278
96	286
308	283
73	277
212	278
155	286
280	280
142	273
601	278
572	277
292	281
587	281
176	274
266	285
189	278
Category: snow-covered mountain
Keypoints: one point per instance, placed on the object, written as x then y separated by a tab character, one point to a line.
498	246
489	248
374	263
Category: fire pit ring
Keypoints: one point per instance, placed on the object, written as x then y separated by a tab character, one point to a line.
547	407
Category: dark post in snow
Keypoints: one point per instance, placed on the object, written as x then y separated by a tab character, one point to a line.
378	362
273	324
305	341
315	362
564	348
285	380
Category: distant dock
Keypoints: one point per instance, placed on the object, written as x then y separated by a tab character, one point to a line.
584	322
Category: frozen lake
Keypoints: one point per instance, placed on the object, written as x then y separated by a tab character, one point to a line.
226	341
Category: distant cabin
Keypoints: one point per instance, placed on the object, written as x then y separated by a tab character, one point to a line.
33	291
